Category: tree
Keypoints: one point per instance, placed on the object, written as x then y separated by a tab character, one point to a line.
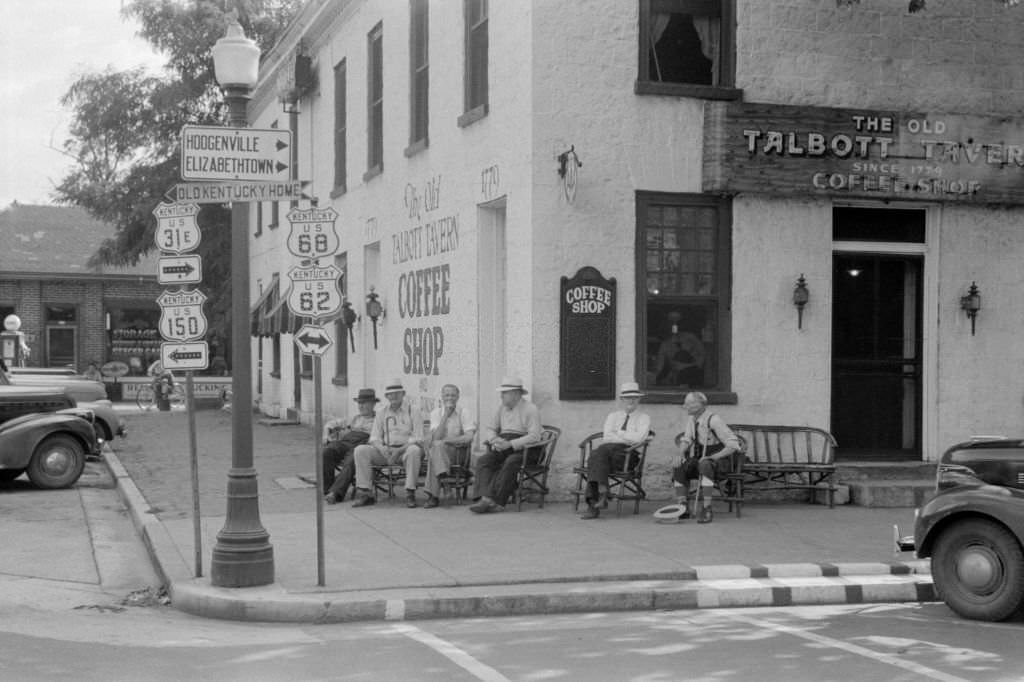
125	128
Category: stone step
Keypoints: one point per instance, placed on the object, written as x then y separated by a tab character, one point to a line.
892	492
849	472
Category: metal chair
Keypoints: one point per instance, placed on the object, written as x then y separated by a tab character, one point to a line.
532	477
729	486
624	483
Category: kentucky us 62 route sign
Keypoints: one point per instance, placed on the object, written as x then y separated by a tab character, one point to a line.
315	291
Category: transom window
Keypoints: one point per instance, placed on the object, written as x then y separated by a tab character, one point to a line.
683	283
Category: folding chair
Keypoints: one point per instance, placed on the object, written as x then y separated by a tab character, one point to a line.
729	486
624	483
532	477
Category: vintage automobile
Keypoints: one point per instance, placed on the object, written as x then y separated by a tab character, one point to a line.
77	387
35	438
108	422
973	528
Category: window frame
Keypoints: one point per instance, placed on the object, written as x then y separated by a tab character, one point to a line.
726	89
475	82
722	392
374	102
419	76
340	185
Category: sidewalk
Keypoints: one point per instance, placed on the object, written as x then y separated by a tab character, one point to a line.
389	562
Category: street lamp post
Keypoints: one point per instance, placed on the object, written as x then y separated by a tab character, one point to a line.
243	555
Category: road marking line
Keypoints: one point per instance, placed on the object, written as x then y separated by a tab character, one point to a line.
479	670
852	648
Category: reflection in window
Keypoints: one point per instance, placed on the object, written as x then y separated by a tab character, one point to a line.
685	277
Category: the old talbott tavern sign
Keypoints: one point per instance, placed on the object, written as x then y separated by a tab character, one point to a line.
588	306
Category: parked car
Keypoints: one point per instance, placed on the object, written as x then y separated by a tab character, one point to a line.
76	386
35	437
973	528
108	422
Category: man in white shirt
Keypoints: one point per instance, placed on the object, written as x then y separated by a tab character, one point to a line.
394	439
452	428
622	429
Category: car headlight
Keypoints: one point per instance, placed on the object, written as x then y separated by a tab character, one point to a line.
953	475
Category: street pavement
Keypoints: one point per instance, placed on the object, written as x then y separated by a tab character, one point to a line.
387	562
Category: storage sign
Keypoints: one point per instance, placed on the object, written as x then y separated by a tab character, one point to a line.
218	153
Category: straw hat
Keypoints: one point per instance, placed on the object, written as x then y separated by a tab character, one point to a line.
512	384
395	386
630	389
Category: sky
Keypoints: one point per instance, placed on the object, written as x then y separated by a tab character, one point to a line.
44	46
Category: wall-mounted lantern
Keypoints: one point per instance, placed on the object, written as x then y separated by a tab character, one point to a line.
800	297
375	311
971	303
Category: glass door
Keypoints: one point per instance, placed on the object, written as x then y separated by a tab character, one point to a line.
61	346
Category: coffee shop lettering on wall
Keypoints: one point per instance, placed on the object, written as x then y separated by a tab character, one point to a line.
867	154
424	288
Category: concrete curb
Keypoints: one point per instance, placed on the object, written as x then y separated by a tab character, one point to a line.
702	587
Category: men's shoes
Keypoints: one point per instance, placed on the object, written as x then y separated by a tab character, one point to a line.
486	506
431	502
331	498
591	513
410	499
364	500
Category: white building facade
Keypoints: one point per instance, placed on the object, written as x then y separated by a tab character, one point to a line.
728	150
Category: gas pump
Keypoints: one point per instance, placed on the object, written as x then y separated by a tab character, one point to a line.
13	348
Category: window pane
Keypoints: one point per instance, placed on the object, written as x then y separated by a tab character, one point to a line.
683	48
681	348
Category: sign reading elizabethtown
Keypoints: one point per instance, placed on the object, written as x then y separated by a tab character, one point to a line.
217	153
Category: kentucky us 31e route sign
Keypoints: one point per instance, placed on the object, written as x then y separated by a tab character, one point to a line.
219	153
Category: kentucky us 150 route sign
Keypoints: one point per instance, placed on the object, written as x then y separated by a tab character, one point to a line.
181	315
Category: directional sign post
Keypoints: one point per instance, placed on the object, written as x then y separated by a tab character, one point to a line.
176	228
315	291
224	192
312	232
180	270
216	153
313	339
181	315
185	356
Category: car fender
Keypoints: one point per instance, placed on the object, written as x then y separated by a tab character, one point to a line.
20	437
1004	506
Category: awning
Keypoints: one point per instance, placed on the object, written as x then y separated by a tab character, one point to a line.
259	311
280	319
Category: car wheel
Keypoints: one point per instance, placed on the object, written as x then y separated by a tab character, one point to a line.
57	462
7	475
978	569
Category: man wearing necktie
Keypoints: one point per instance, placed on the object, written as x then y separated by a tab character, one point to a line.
622	429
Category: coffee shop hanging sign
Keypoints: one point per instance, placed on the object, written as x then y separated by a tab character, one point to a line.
791	150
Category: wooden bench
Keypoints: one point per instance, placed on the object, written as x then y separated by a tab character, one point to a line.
788	457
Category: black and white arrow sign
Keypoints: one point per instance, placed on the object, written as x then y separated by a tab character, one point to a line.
313	340
180	270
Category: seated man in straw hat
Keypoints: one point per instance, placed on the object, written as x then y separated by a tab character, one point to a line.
340	441
394	439
452	426
515	427
622	429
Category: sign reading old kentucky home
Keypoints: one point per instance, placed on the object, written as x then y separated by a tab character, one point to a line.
790	150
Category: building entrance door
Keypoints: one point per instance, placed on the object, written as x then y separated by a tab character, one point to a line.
876	355
61	346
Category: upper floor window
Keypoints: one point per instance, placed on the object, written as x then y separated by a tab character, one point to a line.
687	47
683	288
419	75
340	128
476	61
375	102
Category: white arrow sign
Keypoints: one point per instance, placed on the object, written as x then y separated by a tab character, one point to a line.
313	340
216	153
176	228
312	232
195	355
315	291
180	270
181	315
